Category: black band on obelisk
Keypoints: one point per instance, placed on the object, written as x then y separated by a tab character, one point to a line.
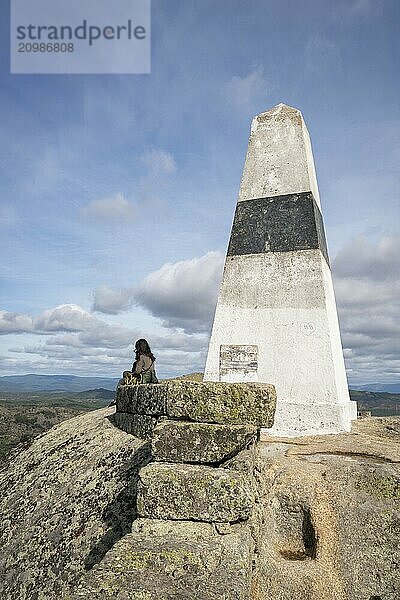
278	224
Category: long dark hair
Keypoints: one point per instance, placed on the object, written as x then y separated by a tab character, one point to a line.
142	347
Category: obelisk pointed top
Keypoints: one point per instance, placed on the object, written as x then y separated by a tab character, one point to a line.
279	159
281	112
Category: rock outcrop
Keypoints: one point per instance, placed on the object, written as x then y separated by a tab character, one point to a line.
203	433
90	511
174	559
332	515
64	502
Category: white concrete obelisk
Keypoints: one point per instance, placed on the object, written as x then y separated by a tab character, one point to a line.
276	319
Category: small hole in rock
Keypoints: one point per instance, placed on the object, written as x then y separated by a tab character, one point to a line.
309	537
309	549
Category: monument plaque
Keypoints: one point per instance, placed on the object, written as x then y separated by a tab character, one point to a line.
238	361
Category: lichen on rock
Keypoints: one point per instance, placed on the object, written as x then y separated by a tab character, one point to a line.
307	519
64	502
190	442
162	560
141	426
193	492
208	402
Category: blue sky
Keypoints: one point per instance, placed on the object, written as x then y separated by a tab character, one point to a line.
118	191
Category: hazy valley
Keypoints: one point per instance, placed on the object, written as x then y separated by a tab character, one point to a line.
24	415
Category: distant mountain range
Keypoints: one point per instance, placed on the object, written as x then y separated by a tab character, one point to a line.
391	388
73	383
379	403
54	383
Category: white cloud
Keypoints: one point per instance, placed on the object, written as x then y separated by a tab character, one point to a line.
91	331
68	319
58	359
112	301
247	92
176	354
179	341
103	335
77	342
115	208
183	294
11	322
367	286
65	317
361	258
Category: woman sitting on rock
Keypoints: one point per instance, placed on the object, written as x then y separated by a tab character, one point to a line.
143	368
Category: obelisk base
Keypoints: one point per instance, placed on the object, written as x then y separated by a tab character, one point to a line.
293	420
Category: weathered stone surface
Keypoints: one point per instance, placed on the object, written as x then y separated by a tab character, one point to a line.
179	441
142	426
193	492
145	399
67	500
368	528
215	402
125	398
152	399
164	560
374	437
331	515
245	461
248	463
63	503
209	402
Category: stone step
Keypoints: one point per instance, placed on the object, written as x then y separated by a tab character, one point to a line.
141	426
194	492
188	442
161	560
210	402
